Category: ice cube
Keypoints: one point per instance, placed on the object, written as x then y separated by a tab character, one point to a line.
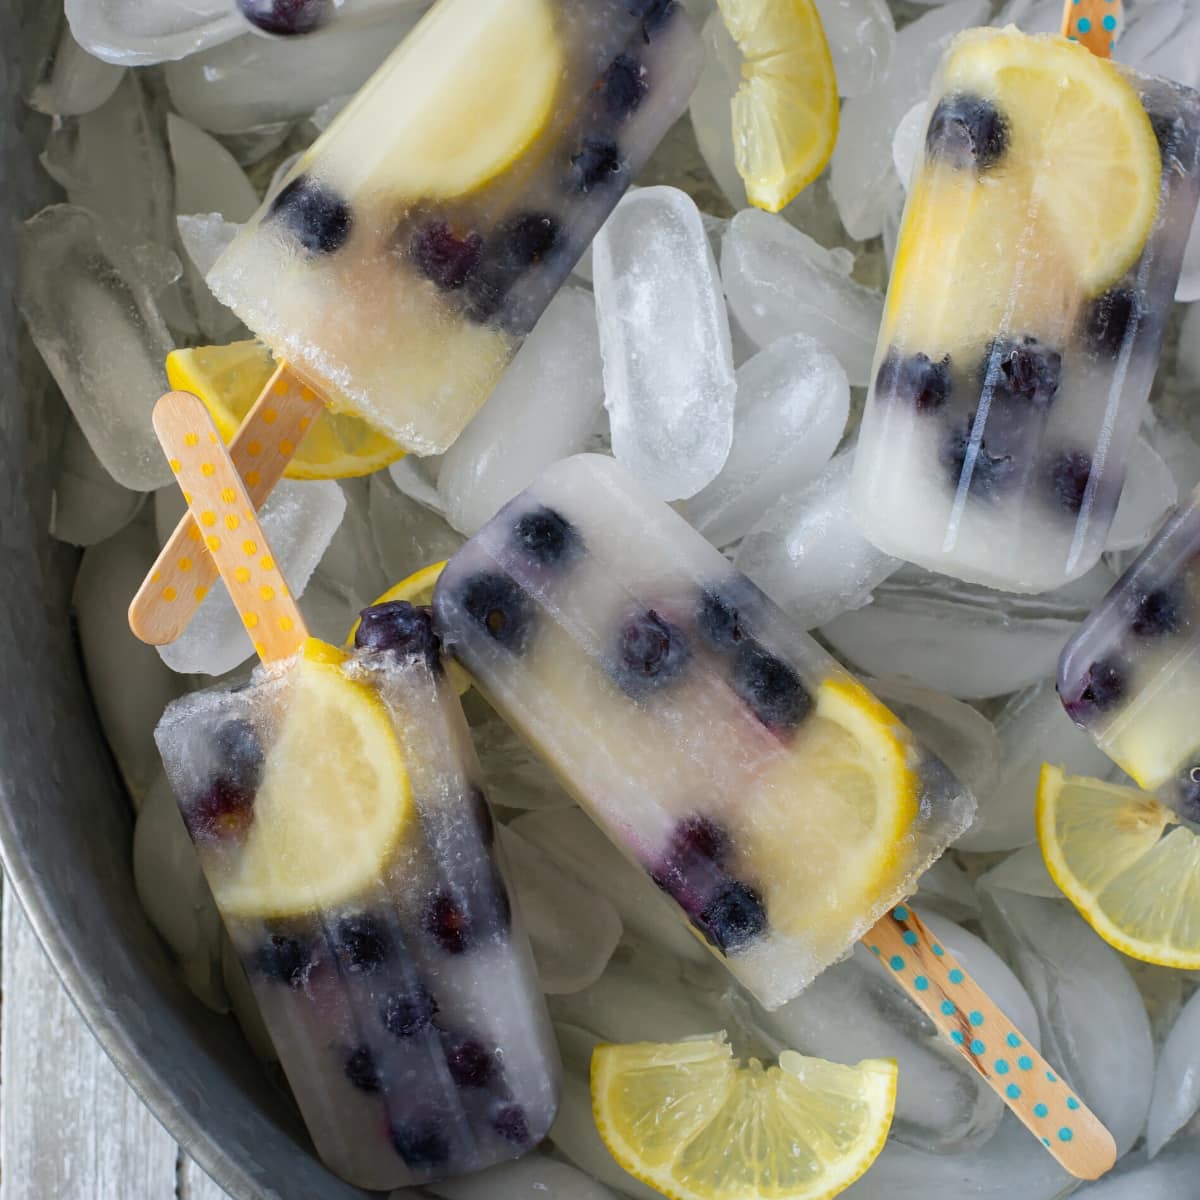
89	303
1147	28
792	403
1176	1096
535	1175
1171	1176
516	777
58	76
908	143
140	32
205	237
208	178
89	506
1149	493
711	116
861	36
664	336
544	408
780	281
947	888
407	535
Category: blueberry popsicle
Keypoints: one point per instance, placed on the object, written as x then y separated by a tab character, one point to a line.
1130	676
419	239
1034	273
779	803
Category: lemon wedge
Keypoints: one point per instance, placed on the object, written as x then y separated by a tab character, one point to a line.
334	801
229	379
1123	860
785	112
689	1120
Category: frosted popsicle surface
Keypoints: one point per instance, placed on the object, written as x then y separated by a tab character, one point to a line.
336	807
420	238
1036	266
1131	675
766	791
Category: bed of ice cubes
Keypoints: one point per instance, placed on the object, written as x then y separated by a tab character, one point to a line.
164	121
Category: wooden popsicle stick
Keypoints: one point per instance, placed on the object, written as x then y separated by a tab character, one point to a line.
261	450
990	1042
228	521
1092	22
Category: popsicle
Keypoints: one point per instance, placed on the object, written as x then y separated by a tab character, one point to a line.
1130	676
1034	273
336	807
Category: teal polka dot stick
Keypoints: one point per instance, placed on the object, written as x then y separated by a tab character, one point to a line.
971	1022
1093	23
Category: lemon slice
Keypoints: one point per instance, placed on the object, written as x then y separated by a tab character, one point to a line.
1121	858
229	379
334	801
689	1120
847	793
785	113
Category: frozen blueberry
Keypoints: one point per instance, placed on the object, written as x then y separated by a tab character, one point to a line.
501	607
444	256
990	473
286	17
650	653
770	688
448	923
223	812
363	943
317	217
241	754
653	13
691	871
545	537
596	162
517	246
1176	141
499	918
407	1013
471	1064
967	131
284	959
481	812
421	1143
733	918
1070	471
726	613
1111	319
511	1124
699	837
399	626
361	1070
624	85
1157	612
1101	689
1187	793
1022	371
914	379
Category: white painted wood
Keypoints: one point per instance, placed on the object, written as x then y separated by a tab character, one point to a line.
194	1184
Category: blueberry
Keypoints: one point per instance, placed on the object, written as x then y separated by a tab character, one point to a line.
422	1143
317	217
443	256
699	837
624	85
545	537
652	13
770	688
967	131
448	923
1070	471
361	1070
1187	793
725	615
500	917
1112	319
241	753
914	379
284	959
482	815
989	472
650	653
224	811
596	162
363	943
471	1063
733	918
501	607
407	1013
1101	688
1177	144
517	246
402	627
692	870
512	1125
287	17
1023	372
1157	612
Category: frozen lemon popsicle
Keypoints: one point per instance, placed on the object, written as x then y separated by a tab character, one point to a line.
418	241
773	797
1035	269
1131	675
336	807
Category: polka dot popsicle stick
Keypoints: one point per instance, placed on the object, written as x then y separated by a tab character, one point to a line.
225	513
1095	23
262	448
990	1042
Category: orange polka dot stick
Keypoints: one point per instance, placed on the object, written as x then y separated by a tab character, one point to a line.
183	573
231	534
1095	23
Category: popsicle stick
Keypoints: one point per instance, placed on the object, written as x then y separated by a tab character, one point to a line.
1092	22
990	1042
226	516
261	450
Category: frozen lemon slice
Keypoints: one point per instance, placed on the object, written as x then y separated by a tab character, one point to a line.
689	1120
229	379
334	800
1122	860
835	815
785	113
